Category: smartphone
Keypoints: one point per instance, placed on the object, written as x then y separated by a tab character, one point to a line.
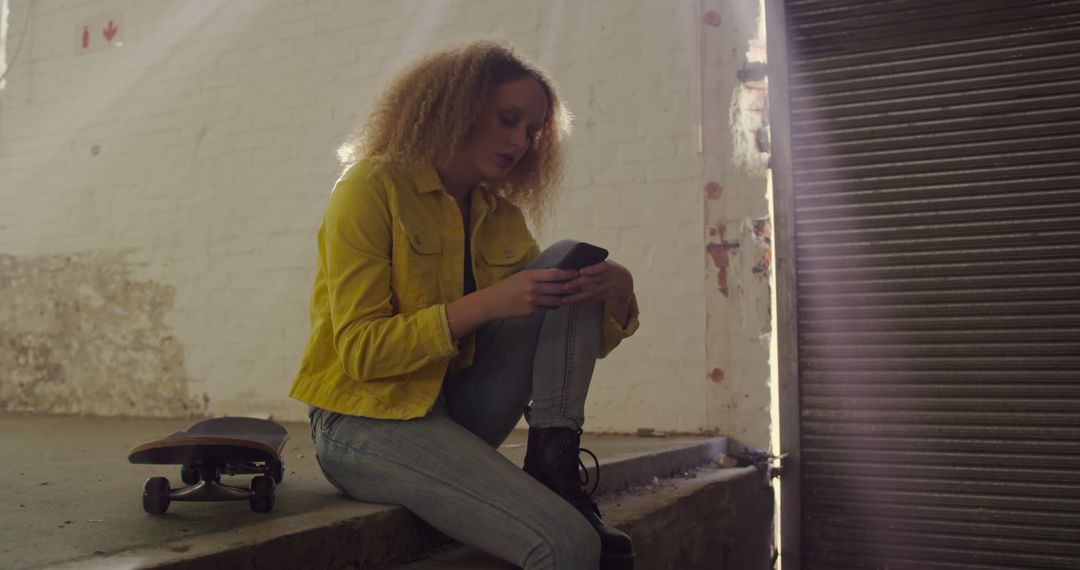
582	255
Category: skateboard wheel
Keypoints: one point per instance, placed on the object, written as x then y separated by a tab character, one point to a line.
276	469
262	494
155	496
189	475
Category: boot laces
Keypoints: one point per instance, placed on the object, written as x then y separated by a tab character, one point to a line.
583	472
581	476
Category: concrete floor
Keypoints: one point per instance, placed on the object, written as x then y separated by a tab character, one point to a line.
70	494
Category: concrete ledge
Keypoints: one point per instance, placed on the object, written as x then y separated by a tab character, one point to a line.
328	538
716	519
73	502
711	519
642	468
360	535
719	520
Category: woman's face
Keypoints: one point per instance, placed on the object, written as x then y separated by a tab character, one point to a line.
507	128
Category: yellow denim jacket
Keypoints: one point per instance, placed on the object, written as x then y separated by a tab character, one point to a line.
391	253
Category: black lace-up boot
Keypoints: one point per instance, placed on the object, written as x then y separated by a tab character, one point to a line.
553	459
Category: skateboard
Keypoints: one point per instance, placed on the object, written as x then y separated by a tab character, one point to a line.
208	449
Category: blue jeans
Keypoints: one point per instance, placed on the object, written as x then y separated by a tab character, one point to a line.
445	467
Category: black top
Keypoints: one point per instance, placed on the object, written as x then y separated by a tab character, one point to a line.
470	279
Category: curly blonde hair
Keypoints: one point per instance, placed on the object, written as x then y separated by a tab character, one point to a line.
428	111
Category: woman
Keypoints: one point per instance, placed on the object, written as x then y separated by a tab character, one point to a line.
436	318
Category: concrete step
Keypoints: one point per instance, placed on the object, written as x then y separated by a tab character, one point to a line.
708	519
74	502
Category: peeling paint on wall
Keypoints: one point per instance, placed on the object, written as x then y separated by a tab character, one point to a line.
719	252
748	116
79	334
749	112
763	236
713	191
735	146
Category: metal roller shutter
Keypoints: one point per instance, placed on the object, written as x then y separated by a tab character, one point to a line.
935	160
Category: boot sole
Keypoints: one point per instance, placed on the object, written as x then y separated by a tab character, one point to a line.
612	561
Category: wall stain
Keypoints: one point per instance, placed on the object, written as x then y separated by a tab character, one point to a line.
717	375
763	235
79	334
713	191
719	253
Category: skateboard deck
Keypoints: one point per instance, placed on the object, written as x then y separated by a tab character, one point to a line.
217	440
207	449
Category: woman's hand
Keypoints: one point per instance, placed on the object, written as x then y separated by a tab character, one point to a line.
522	294
604	281
527	292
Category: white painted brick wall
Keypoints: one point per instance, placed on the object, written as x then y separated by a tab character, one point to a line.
204	147
739	323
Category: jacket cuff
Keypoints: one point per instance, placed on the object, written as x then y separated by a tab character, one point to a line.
612	328
613	333
435	333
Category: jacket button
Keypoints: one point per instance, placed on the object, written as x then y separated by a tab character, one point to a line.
508	253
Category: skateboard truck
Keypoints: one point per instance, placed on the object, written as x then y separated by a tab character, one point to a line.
233	446
209	488
157	493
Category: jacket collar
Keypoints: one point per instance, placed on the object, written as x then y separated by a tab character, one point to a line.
427	181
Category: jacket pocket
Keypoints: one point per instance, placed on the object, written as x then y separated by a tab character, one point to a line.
504	260
424	243
420	266
506	254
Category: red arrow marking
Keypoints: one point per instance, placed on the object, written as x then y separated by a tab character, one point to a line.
110	31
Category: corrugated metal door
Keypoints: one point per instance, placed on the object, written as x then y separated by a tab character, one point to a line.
935	165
